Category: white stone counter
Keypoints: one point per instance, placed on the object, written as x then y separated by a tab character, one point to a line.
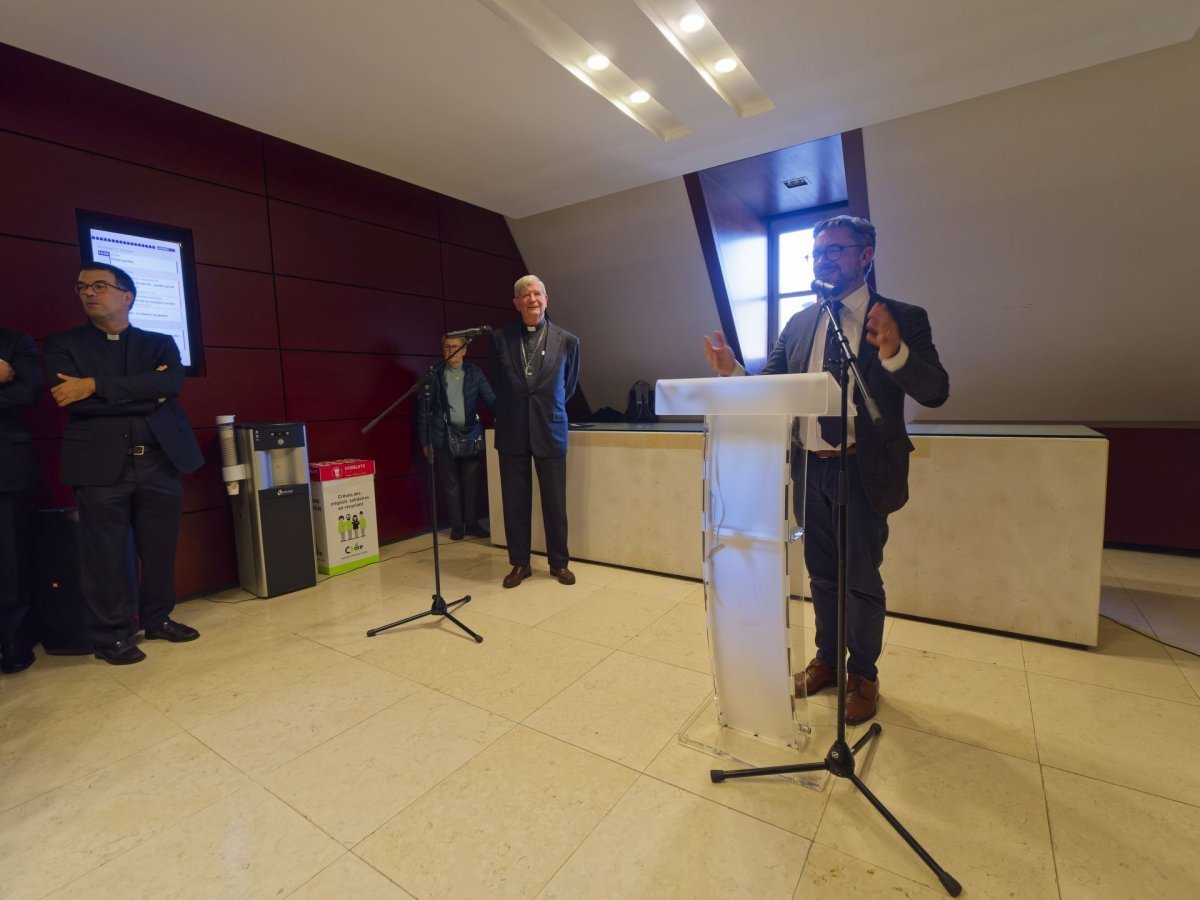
1004	528
633	499
1002	531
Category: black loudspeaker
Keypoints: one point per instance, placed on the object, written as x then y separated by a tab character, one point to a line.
57	601
59	611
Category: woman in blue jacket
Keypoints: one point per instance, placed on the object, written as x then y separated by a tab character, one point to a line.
455	398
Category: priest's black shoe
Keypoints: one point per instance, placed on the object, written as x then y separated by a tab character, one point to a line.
119	653
15	661
478	531
170	630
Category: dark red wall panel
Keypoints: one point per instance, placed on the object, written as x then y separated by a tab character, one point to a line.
402	505
48	100
204	489
471	315
348	385
343	267
326	247
1148	503
206	559
39	295
474	277
471	226
46	183
316	315
308	178
392	444
237	308
244	383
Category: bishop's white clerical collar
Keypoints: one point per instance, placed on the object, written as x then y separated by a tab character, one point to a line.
112	337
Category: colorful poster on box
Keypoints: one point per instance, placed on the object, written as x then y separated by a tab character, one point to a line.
343	506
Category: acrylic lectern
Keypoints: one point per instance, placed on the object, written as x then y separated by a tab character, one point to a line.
746	532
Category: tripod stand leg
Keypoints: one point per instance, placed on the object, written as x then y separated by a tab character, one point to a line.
375	631
478	637
719	775
953	888
439	608
873	732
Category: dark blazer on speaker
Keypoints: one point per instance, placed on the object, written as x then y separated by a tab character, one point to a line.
533	419
18	471
96	439
882	451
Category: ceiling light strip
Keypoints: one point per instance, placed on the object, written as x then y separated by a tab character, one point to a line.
569	49
687	29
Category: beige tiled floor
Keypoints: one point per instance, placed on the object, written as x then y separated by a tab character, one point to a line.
287	754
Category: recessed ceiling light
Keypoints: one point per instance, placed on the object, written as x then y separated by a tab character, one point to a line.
716	62
639	97
538	24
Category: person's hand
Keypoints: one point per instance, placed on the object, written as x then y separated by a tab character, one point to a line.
161	369
882	331
6	372
425	450
718	354
72	389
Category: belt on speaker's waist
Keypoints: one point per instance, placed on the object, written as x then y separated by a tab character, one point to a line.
834	454
142	449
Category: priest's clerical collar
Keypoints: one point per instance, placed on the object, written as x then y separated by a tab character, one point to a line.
108	334
533	328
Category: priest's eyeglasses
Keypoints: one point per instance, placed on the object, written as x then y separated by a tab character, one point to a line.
97	287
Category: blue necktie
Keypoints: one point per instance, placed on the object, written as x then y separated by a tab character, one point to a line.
831	426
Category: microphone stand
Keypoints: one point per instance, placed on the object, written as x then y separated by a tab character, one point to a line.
839	761
440	607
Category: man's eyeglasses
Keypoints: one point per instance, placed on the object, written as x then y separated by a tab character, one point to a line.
831	252
98	287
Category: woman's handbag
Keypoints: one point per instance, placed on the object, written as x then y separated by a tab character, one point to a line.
464	442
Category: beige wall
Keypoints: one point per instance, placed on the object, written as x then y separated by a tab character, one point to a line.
1051	230
625	273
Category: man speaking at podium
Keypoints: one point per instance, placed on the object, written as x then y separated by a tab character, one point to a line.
896	356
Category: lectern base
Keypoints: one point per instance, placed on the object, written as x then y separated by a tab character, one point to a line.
702	731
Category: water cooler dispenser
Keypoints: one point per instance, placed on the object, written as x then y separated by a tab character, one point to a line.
266	475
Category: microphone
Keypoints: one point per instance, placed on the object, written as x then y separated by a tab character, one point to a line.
823	289
468	333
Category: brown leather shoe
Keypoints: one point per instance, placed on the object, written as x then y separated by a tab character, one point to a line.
517	575
816	676
862	696
564	575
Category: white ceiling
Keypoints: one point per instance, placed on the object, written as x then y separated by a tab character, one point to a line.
444	94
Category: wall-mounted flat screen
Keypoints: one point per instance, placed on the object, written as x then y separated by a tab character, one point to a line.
160	261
